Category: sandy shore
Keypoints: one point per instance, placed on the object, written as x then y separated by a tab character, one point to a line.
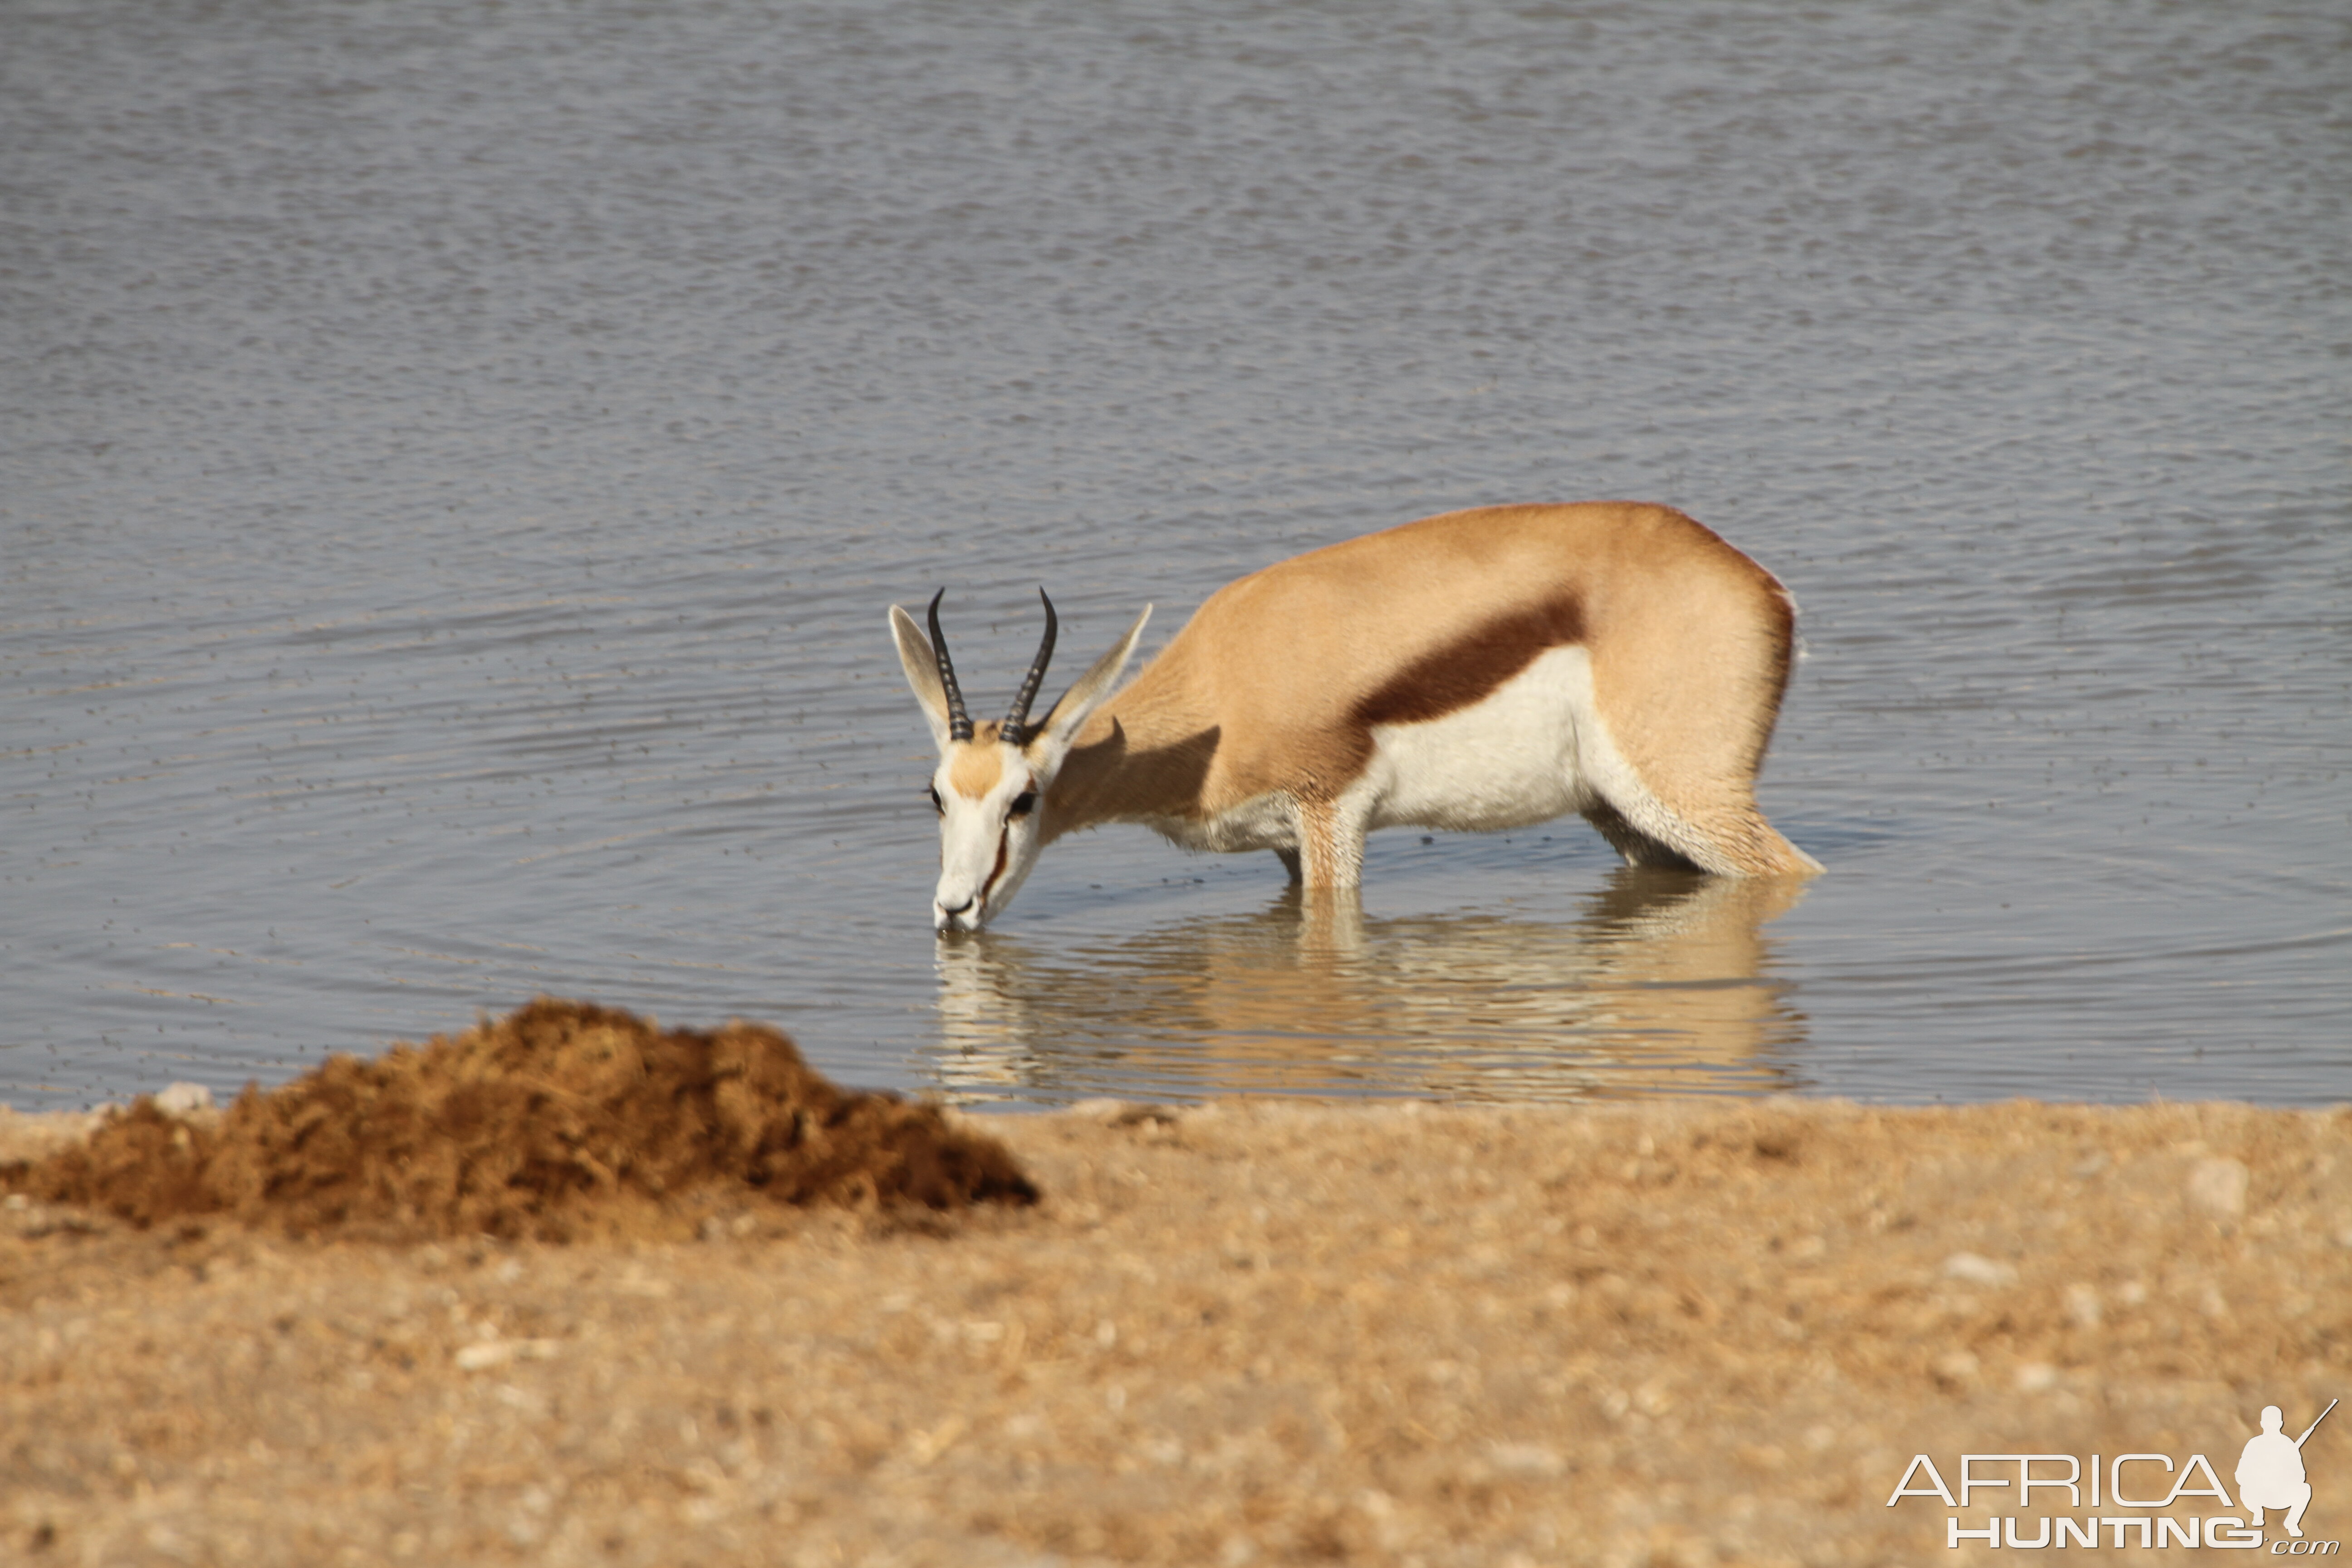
1660	1333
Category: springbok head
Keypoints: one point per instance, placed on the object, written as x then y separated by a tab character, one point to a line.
993	787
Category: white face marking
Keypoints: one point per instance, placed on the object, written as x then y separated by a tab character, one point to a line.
988	839
989	793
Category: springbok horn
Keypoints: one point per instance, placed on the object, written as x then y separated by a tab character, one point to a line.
1016	724
958	721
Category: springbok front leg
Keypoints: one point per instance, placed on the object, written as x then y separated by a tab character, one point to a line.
1331	844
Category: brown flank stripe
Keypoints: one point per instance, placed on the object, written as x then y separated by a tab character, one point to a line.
1465	673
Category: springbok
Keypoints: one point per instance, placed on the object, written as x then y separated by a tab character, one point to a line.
1483	669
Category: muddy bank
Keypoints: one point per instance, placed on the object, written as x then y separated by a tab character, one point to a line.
1668	1334
560	1120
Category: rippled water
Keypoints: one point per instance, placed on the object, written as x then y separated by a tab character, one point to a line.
454	461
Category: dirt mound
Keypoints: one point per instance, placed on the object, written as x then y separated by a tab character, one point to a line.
558	1121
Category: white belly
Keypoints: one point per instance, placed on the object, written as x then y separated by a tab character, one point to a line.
1263	822
1527	754
1513	760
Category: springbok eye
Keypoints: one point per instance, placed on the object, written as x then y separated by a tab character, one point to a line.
1024	804
937	804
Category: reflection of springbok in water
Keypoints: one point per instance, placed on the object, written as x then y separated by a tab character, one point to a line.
1657	986
1481	670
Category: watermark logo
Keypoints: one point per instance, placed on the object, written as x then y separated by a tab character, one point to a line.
2139	1489
2271	1474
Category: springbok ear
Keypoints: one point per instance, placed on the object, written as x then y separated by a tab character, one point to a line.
922	671
1079	703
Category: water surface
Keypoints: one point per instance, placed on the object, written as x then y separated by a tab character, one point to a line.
454	462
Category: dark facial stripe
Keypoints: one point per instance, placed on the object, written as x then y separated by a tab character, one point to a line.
1004	848
1468	671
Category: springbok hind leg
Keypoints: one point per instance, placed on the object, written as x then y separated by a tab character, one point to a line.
1726	834
1730	840
1635	847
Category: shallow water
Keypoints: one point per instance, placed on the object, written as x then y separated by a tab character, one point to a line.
454	461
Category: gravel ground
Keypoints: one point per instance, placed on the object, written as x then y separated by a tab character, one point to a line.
1682	1334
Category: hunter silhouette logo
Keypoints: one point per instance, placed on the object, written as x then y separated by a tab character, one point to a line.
2270	1472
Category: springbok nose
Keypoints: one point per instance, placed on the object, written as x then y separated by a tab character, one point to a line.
956	908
